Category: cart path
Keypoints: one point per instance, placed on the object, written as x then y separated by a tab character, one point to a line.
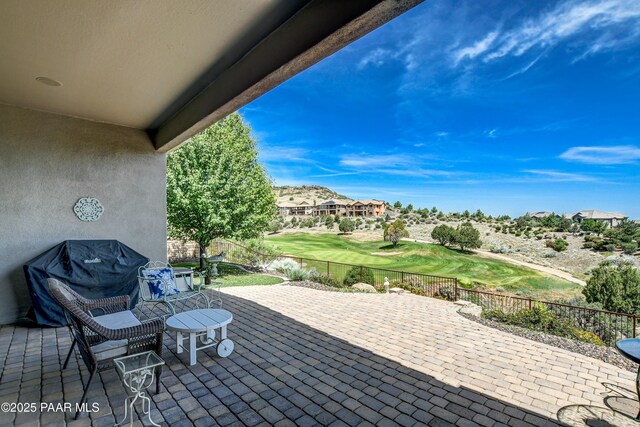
549	270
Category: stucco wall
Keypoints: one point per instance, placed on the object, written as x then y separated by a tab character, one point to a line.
47	162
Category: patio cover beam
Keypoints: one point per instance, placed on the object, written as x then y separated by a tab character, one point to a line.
318	30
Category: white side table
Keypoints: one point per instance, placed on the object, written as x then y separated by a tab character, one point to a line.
202	324
137	372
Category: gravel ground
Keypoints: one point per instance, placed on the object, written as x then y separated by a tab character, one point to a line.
606	354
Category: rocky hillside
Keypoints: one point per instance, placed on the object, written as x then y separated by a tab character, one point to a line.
296	194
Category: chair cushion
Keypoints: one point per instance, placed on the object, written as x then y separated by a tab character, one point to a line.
156	278
110	349
119	320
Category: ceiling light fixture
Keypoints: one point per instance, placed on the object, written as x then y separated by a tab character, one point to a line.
47	81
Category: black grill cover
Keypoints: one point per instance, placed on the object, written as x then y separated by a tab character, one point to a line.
93	268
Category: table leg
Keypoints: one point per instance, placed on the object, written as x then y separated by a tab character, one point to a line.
223	333
180	341
192	348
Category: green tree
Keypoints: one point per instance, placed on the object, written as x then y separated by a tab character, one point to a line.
275	225
409	207
397	205
395	232
346	225
593	226
467	237
434	210
443	234
328	222
216	188
615	285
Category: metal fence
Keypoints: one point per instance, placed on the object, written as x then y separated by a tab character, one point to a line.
429	285
608	326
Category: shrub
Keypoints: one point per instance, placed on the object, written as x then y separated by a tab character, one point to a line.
445	293
557	245
282	265
324	279
550	254
297	274
501	249
616	285
540	318
396	231
257	254
610	247
630	248
353	276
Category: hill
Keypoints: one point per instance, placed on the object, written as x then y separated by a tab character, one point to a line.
296	194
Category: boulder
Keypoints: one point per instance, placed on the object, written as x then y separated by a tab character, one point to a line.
364	287
396	291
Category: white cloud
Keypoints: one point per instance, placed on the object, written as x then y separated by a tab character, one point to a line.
602	18
284	154
390	164
555	176
478	48
376	58
603	155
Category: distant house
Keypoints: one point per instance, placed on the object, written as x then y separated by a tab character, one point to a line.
284	208
610	218
331	207
540	215
366	208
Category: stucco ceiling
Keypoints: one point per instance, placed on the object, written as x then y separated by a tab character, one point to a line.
170	67
126	61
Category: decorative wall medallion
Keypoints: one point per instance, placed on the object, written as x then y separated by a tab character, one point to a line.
88	209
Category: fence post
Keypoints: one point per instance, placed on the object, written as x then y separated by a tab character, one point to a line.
361	268
529	303
402	276
300	262
456	293
328	268
634	326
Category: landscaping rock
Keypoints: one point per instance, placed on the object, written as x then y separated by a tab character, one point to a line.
364	287
471	310
396	291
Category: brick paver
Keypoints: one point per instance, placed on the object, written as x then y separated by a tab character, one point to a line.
306	357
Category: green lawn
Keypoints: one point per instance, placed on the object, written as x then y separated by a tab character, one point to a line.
427	259
231	275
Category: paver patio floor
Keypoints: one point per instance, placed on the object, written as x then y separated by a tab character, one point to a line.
306	357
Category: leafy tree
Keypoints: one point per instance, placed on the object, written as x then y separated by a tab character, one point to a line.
443	234
216	188
434	210
409	207
328	222
397	205
395	232
615	285
467	237
593	226
346	225
564	224
466	214
275	225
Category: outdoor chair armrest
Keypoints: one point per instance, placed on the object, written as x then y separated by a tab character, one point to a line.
106	305
200	285
155	326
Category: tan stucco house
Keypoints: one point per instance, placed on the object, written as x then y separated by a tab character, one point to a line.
94	94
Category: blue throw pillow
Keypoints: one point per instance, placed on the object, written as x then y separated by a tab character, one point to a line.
163	277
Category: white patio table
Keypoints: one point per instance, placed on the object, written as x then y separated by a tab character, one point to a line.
201	324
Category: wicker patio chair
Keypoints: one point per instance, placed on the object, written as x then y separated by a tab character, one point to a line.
164	282
103	329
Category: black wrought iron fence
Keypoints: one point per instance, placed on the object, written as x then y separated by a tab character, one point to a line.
608	326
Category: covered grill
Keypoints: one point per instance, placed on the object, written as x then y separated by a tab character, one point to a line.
93	268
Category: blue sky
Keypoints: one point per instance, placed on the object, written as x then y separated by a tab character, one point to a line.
506	106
